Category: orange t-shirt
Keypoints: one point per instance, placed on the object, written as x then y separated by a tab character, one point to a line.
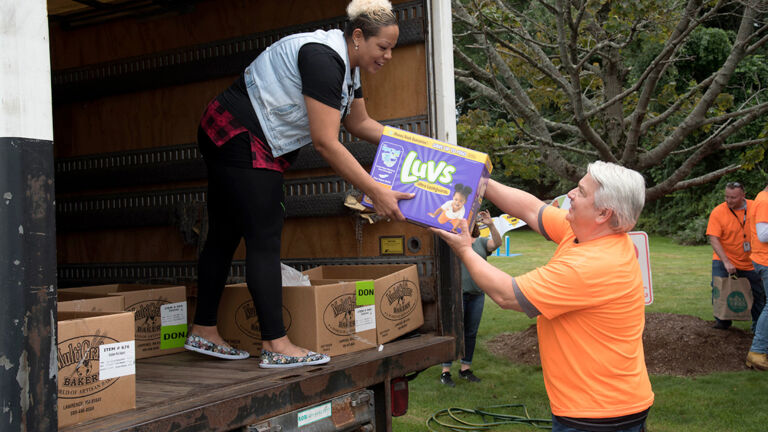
590	330
758	213
728	228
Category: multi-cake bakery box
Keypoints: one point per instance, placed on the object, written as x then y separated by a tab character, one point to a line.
160	313
96	365
448	181
344	309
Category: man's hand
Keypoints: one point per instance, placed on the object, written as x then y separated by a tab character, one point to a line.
729	267
458	242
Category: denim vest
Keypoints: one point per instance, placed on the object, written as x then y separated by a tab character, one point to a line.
273	82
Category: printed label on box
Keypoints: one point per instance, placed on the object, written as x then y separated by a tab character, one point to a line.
117	359
365	318
312	415
173	325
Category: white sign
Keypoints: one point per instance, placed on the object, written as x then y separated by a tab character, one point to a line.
640	240
117	359
173	314
313	414
365	318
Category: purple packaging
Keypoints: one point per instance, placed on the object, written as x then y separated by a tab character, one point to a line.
448	181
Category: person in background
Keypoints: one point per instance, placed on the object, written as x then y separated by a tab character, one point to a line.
474	300
758	226
729	236
588	299
301	89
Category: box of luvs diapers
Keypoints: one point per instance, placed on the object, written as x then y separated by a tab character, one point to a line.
448	181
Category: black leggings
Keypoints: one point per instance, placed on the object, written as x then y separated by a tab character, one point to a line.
243	203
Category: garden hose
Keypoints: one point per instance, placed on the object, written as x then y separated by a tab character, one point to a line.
488	419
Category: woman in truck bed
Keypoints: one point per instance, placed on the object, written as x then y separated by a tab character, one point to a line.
299	90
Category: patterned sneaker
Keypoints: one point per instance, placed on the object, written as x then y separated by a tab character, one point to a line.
273	360
204	346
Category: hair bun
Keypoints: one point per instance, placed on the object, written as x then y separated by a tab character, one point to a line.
367	7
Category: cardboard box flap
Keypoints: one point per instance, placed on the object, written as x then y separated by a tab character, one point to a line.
354	272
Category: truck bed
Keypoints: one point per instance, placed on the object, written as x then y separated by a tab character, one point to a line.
191	392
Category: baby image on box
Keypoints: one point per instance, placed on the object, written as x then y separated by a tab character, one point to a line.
452	211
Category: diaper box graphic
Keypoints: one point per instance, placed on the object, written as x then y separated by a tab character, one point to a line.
448	181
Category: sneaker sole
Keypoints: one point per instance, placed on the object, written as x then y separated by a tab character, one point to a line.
217	355
754	366
293	365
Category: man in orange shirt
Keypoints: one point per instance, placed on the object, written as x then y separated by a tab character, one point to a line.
729	236
758	226
589	298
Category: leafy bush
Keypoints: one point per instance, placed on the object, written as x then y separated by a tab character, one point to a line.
694	232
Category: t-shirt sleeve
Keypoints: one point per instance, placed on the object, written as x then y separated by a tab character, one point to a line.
761	211
714	225
322	74
552	223
484	246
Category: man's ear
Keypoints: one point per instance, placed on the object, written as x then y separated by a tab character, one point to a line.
603	216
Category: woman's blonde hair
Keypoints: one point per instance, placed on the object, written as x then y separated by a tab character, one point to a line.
370	16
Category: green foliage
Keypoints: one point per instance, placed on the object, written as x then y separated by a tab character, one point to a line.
693	232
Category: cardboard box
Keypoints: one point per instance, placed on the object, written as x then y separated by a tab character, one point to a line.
396	293
238	321
160	313
85	302
320	317
448	181
96	365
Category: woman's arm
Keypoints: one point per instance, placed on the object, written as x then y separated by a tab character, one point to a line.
324	129
359	124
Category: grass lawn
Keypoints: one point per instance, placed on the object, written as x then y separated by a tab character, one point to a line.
734	401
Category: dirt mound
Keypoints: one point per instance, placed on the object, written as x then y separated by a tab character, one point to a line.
680	345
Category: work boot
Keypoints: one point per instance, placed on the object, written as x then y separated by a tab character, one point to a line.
445	378
757	361
469	376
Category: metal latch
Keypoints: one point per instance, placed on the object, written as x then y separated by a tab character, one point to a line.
263	427
359	399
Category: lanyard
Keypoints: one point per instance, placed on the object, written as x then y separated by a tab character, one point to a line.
742	222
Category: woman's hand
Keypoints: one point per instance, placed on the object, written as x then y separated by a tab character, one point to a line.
385	203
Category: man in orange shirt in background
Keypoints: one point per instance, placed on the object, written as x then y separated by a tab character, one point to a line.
758	227
589	298
729	236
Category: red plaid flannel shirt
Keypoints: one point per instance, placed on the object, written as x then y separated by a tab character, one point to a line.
221	126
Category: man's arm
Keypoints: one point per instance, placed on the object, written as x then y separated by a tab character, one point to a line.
515	202
494	282
718	248
761	228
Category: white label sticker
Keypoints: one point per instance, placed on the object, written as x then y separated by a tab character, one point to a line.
313	414
173	314
365	318
117	359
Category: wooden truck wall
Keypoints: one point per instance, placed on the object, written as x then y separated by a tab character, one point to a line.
130	184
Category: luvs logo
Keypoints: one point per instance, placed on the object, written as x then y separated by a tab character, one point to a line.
415	170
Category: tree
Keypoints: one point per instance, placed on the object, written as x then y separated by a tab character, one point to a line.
643	83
